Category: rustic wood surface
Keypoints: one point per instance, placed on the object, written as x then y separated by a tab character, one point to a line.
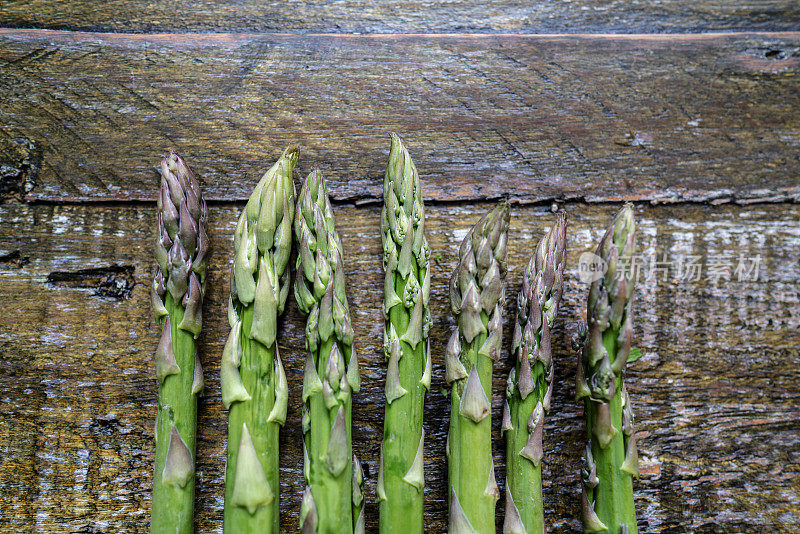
595	118
410	16
716	394
641	101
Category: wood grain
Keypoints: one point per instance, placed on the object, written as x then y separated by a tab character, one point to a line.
412	16
716	394
708	118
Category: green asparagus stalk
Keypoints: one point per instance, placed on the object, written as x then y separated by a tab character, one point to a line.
530	383
408	377
181	252
331	371
254	388
477	290
358	497
610	460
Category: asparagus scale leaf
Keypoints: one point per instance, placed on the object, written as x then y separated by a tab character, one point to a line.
254	387
477	290
610	460
181	250
407	322
333	500
530	383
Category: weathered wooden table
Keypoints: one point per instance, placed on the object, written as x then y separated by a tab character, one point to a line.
578	104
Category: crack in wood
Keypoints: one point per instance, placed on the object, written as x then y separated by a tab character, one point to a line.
115	282
14	259
19	164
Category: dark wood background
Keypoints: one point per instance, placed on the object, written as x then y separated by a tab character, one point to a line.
689	108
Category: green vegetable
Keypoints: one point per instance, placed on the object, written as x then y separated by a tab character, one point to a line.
407	288
635	354
253	381
331	372
610	460
181	251
530	383
358	497
477	289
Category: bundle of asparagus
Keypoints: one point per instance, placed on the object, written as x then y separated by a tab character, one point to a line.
181	251
530	381
254	385
332	502
408	377
610	459
477	289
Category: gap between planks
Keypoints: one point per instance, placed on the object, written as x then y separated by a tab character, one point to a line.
367	202
221	38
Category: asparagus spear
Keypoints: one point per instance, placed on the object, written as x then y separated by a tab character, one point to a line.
530	381
610	459
254	386
408	378
477	289
181	251
331	371
358	497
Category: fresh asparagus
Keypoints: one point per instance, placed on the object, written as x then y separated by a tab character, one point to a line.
477	289
254	388
408	377
530	383
358	497
181	252
331	371
610	459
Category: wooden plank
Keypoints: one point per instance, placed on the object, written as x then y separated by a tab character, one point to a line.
654	118
716	394
413	16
